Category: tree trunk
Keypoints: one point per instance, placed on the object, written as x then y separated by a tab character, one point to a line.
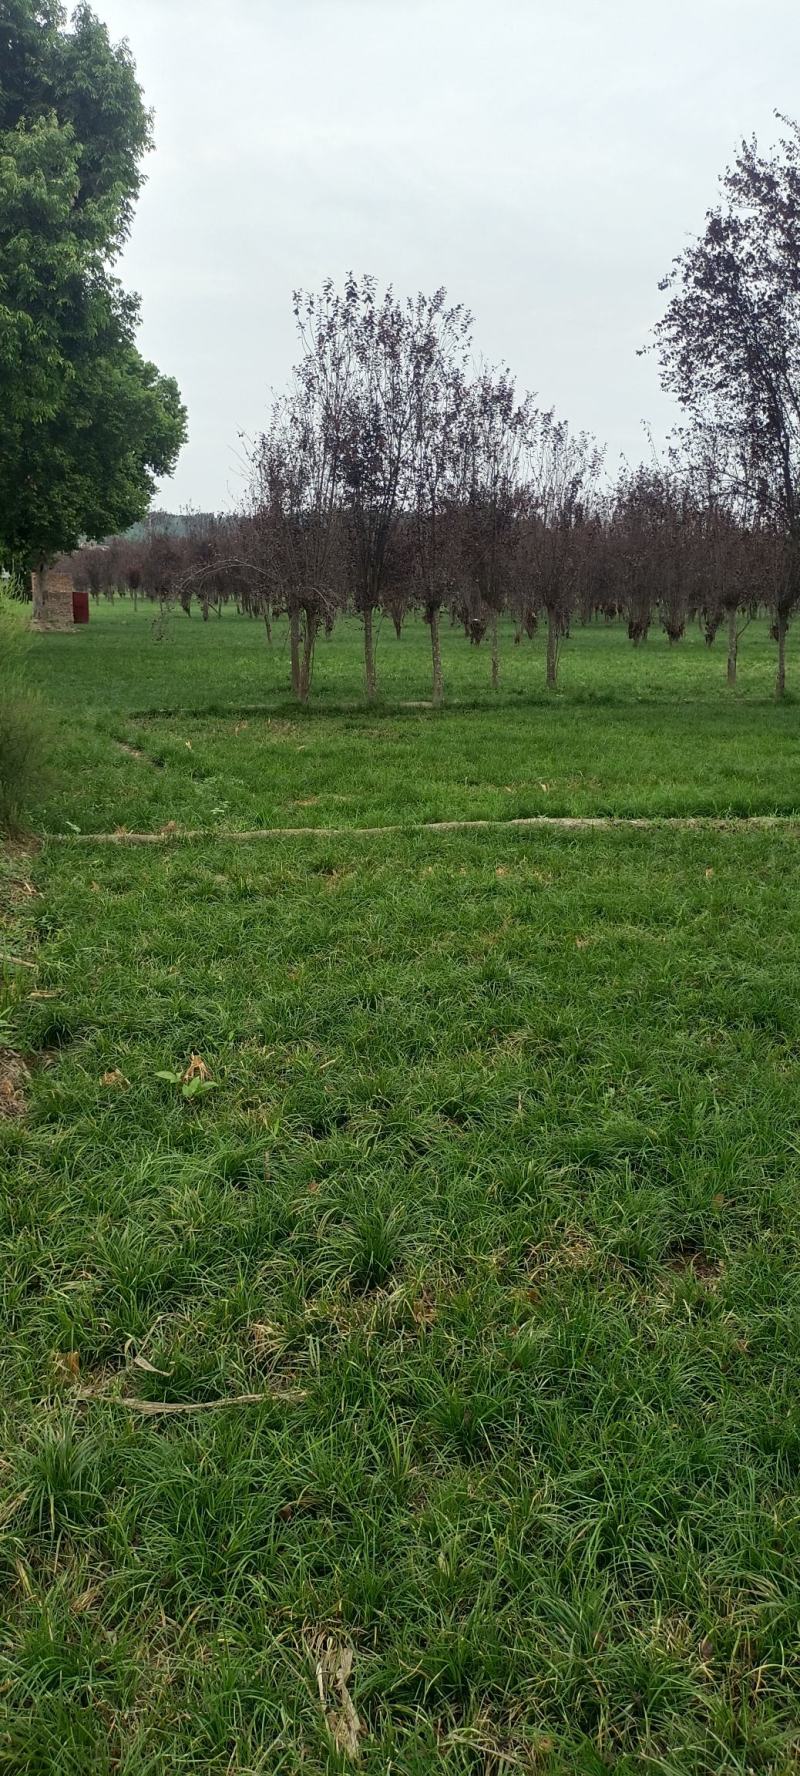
780	682
294	648
552	650
307	662
495	651
733	645
369	655
436	656
268	625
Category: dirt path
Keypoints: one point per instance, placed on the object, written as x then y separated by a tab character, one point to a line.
172	833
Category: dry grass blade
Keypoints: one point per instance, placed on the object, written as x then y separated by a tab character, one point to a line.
161	1408
149	1368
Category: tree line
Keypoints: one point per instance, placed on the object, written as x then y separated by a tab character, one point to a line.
651	553
395	473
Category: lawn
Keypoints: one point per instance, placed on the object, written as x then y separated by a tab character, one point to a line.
473	1259
190	722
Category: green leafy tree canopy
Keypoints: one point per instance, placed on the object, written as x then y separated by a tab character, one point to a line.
86	424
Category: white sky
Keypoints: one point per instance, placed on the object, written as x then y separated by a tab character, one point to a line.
543	159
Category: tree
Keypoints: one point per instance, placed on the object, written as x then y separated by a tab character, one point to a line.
381	382
643	538
294	487
376	422
726	556
495	433
729	343
86	424
562	468
438	346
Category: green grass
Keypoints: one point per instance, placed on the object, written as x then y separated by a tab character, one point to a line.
493	1196
654	730
26	738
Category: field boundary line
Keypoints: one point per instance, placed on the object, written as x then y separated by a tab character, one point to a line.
172	834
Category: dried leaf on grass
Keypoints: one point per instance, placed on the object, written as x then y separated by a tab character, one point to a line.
114	1077
68	1364
334	1664
196	1069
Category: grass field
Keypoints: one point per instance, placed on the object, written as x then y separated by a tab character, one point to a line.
489	1206
654	730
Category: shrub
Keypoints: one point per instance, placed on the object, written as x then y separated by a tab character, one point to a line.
23	723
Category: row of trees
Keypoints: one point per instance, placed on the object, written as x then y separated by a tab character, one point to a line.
395	473
658	550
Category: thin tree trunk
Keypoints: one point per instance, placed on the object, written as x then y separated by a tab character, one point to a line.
780	682
307	662
268	625
294	648
733	645
369	655
552	650
436	656
495	651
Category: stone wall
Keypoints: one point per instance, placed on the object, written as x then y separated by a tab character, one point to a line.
52	600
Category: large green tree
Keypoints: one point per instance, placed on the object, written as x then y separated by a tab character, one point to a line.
86	424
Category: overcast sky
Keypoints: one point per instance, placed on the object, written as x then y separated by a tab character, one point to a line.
543	159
